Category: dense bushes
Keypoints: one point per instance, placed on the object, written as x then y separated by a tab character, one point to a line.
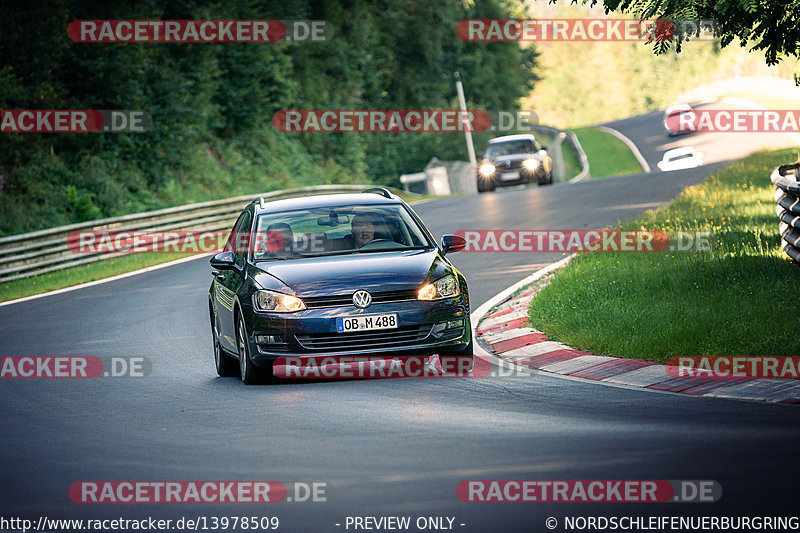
212	104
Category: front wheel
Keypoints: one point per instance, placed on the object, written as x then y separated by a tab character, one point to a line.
485	185
249	372
459	362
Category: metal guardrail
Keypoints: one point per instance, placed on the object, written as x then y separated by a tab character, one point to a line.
572	140
787	196
582	159
43	251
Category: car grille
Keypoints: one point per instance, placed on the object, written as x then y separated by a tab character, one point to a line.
514	165
347	299
364	340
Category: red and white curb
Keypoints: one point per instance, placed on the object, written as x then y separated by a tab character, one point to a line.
502	323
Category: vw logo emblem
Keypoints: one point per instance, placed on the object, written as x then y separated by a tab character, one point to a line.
362	299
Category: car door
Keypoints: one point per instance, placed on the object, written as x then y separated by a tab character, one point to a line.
229	282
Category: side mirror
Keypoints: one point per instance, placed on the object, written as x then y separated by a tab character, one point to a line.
544	148
223	261
453	243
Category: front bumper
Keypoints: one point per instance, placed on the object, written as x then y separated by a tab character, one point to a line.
424	328
525	176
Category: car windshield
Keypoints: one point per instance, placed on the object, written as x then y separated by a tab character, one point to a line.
681	156
509	148
336	230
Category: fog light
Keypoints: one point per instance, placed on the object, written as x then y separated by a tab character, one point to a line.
268	339
439	329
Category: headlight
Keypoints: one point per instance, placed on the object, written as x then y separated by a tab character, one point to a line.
531	164
446	287
276	302
486	169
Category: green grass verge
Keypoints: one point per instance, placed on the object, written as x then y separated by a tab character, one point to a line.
738	299
69	277
608	156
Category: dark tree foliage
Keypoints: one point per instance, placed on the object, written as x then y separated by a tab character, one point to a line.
768	25
388	54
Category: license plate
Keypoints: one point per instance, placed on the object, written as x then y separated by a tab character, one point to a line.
366	323
508	176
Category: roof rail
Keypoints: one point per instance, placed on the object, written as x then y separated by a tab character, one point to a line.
379	190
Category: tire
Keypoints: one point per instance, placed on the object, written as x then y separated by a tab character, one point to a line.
547	179
225	364
460	360
248	371
485	185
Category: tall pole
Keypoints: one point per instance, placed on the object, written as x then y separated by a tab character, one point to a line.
465	120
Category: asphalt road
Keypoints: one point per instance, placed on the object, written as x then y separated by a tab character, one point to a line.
385	447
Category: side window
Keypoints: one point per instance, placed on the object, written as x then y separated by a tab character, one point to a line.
229	244
238	239
242	239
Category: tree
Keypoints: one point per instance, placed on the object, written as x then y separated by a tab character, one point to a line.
770	25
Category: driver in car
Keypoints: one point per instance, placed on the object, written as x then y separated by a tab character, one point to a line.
362	229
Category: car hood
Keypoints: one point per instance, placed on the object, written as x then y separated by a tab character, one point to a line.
339	274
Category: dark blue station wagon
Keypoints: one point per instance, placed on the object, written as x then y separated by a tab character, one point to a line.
337	274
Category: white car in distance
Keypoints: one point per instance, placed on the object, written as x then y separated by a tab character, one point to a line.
680	158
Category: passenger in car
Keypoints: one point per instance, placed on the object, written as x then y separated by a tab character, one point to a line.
280	238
